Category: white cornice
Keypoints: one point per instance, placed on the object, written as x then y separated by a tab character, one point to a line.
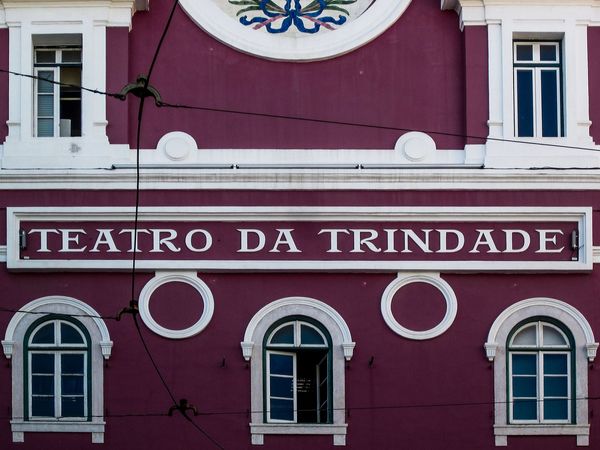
113	12
483	12
302	179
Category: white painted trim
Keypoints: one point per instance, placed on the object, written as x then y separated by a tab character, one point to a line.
311	214
299	302
100	345
584	351
89	19
548	303
189	278
321	179
432	279
53	302
379	17
2	253
341	351
596	255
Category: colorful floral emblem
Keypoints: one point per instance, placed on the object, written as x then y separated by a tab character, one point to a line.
308	16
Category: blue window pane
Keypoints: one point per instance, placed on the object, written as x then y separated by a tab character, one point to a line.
45	127
549	79
42	406
284	335
70	335
42	385
524	387
310	336
42	363
524	364
282	409
556	409
556	386
555	364
548	53
45	106
44	86
281	364
282	387
524	52
525	409
525	103
72	406
44	335
72	384
72	364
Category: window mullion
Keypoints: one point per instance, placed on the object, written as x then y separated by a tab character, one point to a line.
57	385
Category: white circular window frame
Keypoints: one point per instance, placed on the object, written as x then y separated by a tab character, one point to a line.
162	278
227	29
432	279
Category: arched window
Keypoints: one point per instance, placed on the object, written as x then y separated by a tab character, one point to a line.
540	349
57	346
298	372
56	362
540	373
297	348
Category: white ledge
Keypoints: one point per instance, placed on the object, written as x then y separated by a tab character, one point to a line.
258	430
501	432
19	427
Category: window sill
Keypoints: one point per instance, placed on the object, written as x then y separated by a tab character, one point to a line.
338	431
501	432
20	427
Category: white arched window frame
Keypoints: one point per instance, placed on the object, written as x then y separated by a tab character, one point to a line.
100	349
342	348
584	351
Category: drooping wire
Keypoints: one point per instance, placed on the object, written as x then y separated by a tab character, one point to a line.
43	313
59	83
135	229
164	104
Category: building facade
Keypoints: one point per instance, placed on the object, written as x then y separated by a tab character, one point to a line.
290	224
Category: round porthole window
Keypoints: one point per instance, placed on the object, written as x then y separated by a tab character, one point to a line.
295	30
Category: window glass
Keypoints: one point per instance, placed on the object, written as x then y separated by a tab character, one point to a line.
553	337
285	335
548	53
69	334
310	336
527	336
45	335
524	52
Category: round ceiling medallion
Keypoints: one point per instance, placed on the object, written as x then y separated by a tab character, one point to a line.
295	30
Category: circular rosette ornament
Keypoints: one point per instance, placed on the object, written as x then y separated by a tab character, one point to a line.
295	30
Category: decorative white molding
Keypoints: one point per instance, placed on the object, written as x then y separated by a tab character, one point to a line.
432	279
319	178
341	351
545	306
54	303
2	253
580	216
584	351
596	255
101	346
189	278
353	34
301	303
88	19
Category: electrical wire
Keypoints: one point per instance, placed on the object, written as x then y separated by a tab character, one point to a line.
41	313
163	104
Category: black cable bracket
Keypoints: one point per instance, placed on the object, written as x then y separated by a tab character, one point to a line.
141	89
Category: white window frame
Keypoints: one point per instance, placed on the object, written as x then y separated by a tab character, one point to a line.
511	20
28	21
585	348
536	66
100	350
61	349
540	351
297	344
56	69
342	348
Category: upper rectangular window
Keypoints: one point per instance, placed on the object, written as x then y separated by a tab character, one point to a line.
538	89
57	96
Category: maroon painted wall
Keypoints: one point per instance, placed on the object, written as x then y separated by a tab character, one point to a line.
117	77
401	400
594	80
3	84
476	84
411	77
